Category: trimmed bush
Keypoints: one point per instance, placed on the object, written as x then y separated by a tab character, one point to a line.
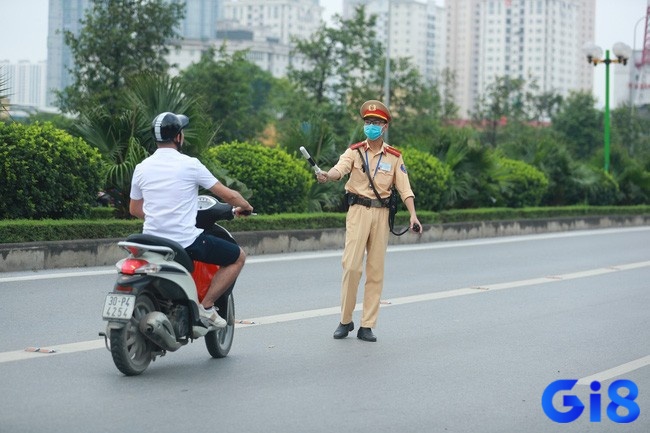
520	184
279	181
46	173
429	178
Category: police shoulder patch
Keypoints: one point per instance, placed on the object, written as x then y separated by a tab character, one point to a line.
393	151
403	168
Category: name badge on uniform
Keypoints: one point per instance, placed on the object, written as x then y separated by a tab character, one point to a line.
384	166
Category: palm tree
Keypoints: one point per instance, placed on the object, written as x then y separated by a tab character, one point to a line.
125	140
317	137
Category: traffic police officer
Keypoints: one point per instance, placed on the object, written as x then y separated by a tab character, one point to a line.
366	225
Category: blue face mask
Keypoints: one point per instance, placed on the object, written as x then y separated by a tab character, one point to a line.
373	132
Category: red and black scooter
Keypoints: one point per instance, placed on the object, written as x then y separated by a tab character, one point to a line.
153	308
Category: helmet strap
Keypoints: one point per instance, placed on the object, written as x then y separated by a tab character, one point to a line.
178	143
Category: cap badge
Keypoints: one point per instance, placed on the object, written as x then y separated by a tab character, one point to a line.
372	107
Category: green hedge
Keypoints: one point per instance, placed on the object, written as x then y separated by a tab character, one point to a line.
18	231
279	181
46	173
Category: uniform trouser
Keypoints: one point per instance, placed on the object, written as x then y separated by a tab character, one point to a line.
366	230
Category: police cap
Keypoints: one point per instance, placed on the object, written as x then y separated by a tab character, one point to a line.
374	108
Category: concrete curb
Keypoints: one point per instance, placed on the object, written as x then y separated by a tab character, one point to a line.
104	252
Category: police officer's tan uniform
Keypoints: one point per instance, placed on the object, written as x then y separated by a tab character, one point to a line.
367	222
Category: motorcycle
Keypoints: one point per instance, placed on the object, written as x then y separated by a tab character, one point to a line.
153	308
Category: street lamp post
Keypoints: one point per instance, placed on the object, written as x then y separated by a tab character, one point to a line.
595	55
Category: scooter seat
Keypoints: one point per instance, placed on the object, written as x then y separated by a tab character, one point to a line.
181	255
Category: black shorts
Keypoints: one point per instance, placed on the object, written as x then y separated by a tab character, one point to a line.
211	249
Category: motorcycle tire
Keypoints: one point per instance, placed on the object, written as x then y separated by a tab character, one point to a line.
219	342
130	349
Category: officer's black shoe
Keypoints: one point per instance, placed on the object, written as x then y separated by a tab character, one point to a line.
342	330
366	334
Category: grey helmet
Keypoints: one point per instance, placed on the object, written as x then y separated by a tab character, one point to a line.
166	126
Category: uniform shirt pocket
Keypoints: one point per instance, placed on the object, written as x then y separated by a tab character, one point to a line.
384	179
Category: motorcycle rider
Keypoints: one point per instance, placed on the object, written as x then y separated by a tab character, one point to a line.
164	192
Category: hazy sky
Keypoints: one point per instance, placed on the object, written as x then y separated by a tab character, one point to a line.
24	28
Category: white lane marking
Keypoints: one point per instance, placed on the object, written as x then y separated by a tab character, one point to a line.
270	258
47	276
616	371
81	346
19	355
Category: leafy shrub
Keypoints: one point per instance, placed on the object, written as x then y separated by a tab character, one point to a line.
20	231
46	173
595	186
279	182
429	178
520	184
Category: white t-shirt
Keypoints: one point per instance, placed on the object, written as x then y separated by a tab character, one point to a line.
169	181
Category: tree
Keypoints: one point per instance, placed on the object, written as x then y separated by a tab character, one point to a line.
579	124
125	139
415	103
118	41
234	93
336	61
502	102
341	67
447	86
630	129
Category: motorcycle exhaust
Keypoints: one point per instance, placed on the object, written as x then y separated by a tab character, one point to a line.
157	328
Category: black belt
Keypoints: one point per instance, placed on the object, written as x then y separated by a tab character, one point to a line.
365	201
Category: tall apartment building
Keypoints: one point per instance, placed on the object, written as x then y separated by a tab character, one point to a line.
201	18
26	82
63	15
264	28
537	40
274	19
268	54
417	30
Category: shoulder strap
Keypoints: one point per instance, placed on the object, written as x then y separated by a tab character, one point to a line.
393	151
391	201
367	170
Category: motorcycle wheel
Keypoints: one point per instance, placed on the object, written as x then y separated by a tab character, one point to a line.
130	349
219	342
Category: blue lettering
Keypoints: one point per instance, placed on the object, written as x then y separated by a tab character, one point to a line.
570	401
626	402
594	402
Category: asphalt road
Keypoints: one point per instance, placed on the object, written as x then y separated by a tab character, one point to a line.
469	336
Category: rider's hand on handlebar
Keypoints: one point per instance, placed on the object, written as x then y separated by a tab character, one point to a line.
240	211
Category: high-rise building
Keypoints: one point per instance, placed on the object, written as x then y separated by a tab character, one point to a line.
536	40
64	15
417	30
26	83
276	19
201	18
264	28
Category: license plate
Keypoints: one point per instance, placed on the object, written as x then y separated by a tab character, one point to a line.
118	306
